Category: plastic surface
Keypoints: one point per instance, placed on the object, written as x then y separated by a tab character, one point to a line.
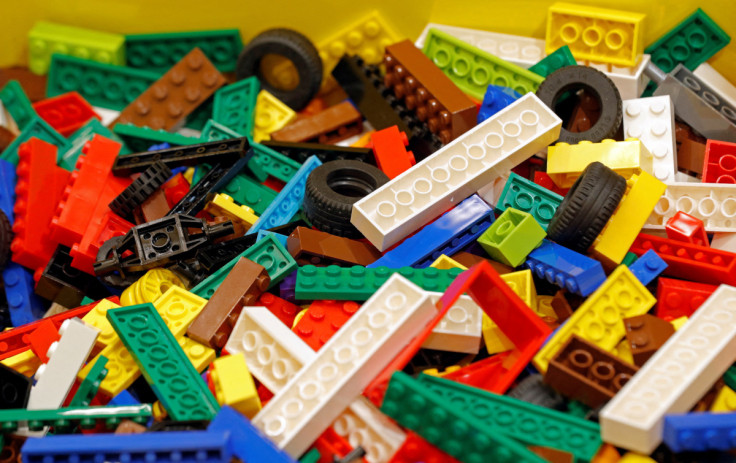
235	105
686	228
234	385
679	298
37	128
271	115
708	202
459	330
245	441
512	237
566	268
652	120
648	267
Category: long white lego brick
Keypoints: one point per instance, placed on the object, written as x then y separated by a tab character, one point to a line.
345	365
630	81
460	330
521	51
652	120
676	376
713	203
66	357
456	171
724	241
717	82
273	353
491	192
682	177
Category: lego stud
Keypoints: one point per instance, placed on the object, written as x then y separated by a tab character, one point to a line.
615	39
439	175
281	368
592	36
277	425
602	372
458	163
310	390
570	32
462	66
580	359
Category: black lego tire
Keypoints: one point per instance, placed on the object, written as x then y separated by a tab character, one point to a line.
587	207
329	210
6	237
293	46
594	81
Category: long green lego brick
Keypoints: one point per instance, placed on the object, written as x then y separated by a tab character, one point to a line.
214	131
691	43
140	139
473	69
272	163
200	116
527	196
36	128
359	283
246	191
163	362
442	423
163	50
525	422
103	85
91	384
235	105
64	420
77	140
556	60
17	104
730	377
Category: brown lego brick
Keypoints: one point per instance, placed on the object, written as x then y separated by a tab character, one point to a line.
428	92
552	455
33	84
241	287
646	333
129	427
582	371
329	126
690	150
175	95
10	452
468	259
153	208
6	138
314	247
561	306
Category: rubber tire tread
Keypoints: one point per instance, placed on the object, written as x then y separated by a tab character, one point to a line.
6	237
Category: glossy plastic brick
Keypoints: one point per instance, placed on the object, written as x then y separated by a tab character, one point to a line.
23	304
322	319
678	298
331	125
77	141
37	128
271	115
90	385
223	205
248	192
512	237
389	150
65	420
214	131
495	99
706	73
456	228
524	195
456	171
314	247
719	165
558	59
566	268
66	113
598	319
16	388
150	286
270	162
630	81
699	432
17	104
652	120
596	34
459	330
140	139
245	441
234	385
675	377
235	105
274	257
711	203
46	38
648	267
363	425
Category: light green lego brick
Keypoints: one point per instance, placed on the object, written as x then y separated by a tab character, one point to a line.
46	38
36	128
246	191
235	105
91	384
64	420
17	104
140	139
527	196
272	163
512	237
556	60
473	69
78	139
214	131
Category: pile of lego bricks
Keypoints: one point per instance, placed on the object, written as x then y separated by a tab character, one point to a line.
473	247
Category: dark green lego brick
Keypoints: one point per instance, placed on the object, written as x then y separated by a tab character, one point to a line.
163	50
359	283
65	420
78	139
38	128
691	43
730	377
200	116
527	196
629	259
525	422
140	139
164	364
271	162
442	423
91	384
17	104
103	85
249	192
214	131
556	60
313	456
235	105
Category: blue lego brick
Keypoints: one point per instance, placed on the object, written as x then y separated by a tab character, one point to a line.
7	188
526	196
246	441
453	230
699	432
154	447
287	288
648	267
288	201
281	238
123	399
36	128
495	99
566	268
24	305
160	146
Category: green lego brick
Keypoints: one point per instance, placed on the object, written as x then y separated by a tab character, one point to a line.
46	38
629	259
272	163
359	283
65	420
77	140
527	196
730	377
512	237
246	191
163	50
525	422
91	384
140	139
36	128
691	43
200	116
556	60
473	69
103	85
214	131
313	456
235	105
163	362
463	435
17	104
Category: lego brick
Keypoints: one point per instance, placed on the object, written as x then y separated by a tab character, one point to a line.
150	286
38	128
271	116
675	377
23	304
512	237
708	202
274	257
526	196
65	113
566	268
718	165
271	162
472	69
78	139
495	99
686	228
62	284
90	385
389	150
699	432
725	401
299	152
16	388
25	363
652	121
234	385
445	263
677	298
558	59
598	319
198	354
460	328
283	309
417	450
175	95
103	226
706	73
454	172
17	104
334	379
235	105
245	441
330	446
224	206
65	420
724	241
214	131
322	319
139	139
334	124
648	267
645	334
41	339
314	247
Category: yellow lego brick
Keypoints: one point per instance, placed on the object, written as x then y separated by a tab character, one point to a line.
97	317
224	205
522	284
544	307
189	174
159	412
565	162
25	363
121	368
150	287
678	322
446	371
200	355
178	307
271	115
623	351
632	457
613	243
234	384
725	401
600	318
445	263
596	34
494	339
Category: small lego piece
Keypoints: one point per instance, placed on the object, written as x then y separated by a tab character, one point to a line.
512	237
686	228
152	285
37	128
235	105
140	190
329	126
719	165
646	333
271	116
566	268
389	150
556	60
322	319
16	103
234	385
708	202
139	139
652	120
677	298
648	267
699	431
66	420
16	389
523	195
495	99
313	247
65	113
61	283
224	206
90	385
716	81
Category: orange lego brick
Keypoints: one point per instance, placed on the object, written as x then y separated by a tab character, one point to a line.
329	126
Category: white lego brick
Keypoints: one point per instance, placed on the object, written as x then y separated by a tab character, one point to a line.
676	377
682	177
724	241
345	365
456	171
717	82
273	353
491	192
713	203
652	120
460	330
521	51
3	116
66	357
107	115
630	81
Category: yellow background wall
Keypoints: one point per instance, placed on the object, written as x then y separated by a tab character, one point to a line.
319	19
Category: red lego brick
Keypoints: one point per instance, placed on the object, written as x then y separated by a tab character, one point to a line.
686	228
283	309
330	445
417	450
322	319
274	184
38	191
719	164
100	229
388	147
42	337
678	298
689	261
175	189
264	394
543	179
66	113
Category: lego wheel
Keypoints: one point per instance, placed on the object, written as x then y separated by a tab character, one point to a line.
6	237
286	63
587	207
333	188
563	82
